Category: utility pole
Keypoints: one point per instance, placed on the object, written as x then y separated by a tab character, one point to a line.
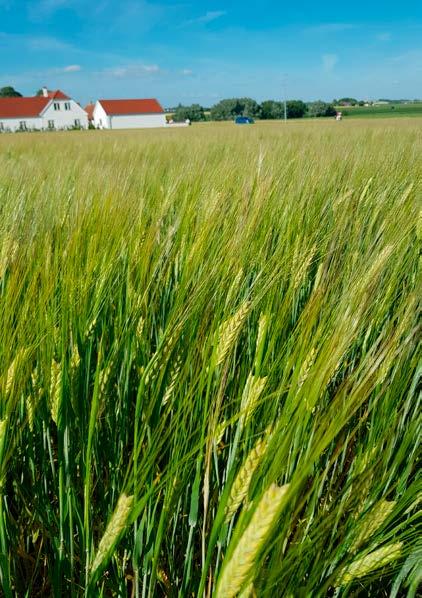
285	97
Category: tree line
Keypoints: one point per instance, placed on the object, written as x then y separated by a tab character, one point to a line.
229	109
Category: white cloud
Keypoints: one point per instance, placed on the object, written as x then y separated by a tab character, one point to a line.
329	61
208	17
186	72
132	70
72	68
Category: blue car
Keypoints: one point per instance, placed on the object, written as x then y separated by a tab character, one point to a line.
244	120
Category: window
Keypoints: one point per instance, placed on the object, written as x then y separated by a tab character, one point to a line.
67	105
51	124
77	122
56	106
22	125
1	127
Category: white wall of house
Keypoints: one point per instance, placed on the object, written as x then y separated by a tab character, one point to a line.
138	121
101	119
16	124
64	114
127	121
69	114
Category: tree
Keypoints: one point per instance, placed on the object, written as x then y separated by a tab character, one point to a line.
296	109
251	108
194	113
226	110
230	108
9	92
330	111
39	92
320	108
270	109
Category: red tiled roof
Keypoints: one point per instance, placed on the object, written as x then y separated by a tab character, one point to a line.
22	107
57	95
116	107
89	109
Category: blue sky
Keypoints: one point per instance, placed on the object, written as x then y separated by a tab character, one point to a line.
203	51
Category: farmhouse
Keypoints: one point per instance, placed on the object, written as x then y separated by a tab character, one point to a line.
128	114
52	110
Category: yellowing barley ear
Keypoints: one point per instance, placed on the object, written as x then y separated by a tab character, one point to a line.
90	330
114	529
236	571
372	561
104	378
229	331
234	287
366	189
306	367
140	328
242	482
12	370
8	253
75	359
55	390
373	521
303	267
248	592
30	409
262	331
3	423
3	427
219	431
175	371
419	226
250	397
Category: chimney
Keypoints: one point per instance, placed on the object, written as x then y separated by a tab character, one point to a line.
45	92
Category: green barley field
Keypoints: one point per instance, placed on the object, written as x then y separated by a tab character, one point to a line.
383	111
210	361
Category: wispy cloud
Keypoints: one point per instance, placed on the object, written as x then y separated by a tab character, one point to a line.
186	72
329	61
47	44
385	36
327	28
72	68
37	11
36	43
411	58
208	17
132	71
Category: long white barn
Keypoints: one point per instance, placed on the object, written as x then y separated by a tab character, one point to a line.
128	114
53	110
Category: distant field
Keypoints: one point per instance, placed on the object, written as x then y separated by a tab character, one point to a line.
209	361
390	110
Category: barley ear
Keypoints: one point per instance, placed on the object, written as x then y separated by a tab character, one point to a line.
242	482
248	592
250	397
113	532
372	561
55	390
372	522
3	426
238	568
229	331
